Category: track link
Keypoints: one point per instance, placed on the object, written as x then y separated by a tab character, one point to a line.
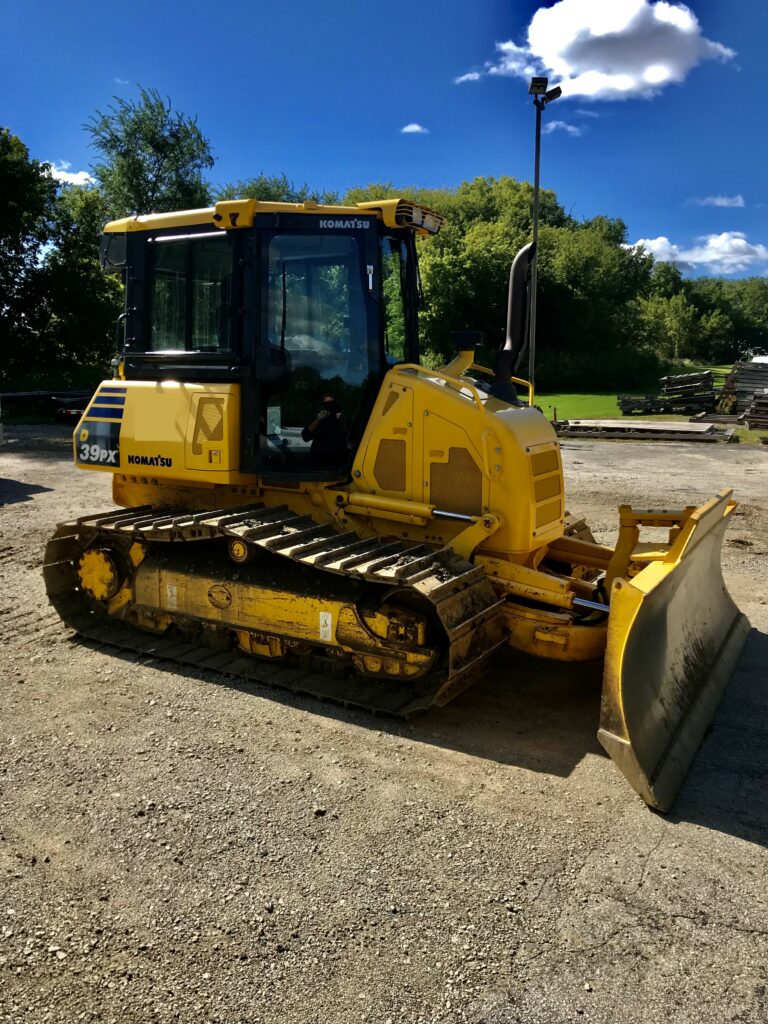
461	596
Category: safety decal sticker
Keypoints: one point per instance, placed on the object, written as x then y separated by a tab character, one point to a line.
326	626
98	444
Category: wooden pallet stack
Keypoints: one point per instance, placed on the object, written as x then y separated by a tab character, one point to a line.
743	383
689	392
683	393
757	413
630	404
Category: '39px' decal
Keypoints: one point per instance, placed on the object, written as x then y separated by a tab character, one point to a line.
98	444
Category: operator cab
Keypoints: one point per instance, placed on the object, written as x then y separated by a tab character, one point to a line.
306	307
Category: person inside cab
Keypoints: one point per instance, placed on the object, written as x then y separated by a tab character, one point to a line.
327	435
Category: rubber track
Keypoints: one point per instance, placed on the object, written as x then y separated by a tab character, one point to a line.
461	594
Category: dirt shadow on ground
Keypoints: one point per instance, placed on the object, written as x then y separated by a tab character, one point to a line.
524	712
37	441
727	787
543	717
13	491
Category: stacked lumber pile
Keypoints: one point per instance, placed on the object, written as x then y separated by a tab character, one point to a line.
643	430
743	382
757	413
630	404
686	393
689	392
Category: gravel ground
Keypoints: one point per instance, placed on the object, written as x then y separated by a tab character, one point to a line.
176	848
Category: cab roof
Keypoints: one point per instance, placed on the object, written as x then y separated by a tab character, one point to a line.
240	213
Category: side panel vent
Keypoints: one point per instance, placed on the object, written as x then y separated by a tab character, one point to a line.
457	485
389	468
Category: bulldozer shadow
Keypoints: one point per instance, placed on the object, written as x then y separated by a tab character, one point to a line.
542	716
14	491
725	789
538	715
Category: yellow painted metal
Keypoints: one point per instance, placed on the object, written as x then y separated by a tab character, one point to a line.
463	363
472	536
674	636
527	385
179	446
271	619
240	213
123	598
98	574
171	431
399	213
553	634
580	552
511	453
545	625
261	644
240	552
522	582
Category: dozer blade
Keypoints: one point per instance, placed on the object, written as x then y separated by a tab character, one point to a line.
674	637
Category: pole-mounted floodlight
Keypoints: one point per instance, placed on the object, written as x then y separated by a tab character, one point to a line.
541	97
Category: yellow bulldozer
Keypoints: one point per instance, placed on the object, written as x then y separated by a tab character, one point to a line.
302	503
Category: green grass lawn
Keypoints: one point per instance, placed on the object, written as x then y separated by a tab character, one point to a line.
598	406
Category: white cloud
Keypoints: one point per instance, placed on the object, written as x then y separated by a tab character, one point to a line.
562	126
414	129
726	253
731	201
60	171
121	81
586	113
608	49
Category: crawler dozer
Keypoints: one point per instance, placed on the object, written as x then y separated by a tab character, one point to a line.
302	503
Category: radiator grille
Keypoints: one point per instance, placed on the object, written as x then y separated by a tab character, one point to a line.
457	485
389	468
547	487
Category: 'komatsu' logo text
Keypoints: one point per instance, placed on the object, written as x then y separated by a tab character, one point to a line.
149	460
351	223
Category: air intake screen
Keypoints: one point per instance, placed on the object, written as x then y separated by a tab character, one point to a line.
389	468
457	485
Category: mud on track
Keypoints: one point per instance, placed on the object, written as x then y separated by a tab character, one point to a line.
177	848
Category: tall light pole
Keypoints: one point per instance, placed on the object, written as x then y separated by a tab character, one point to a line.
541	97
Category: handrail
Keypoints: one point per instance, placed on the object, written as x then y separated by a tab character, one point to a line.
526	383
515	380
458	385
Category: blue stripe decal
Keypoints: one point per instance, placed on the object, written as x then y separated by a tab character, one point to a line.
111	399
112	390
106	411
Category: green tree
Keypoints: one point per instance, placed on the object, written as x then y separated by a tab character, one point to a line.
276	189
716	342
670	326
28	192
152	157
82	302
666	280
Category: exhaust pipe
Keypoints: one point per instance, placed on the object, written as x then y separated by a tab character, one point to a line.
508	358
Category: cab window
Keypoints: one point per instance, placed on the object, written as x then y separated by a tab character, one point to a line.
315	328
393	276
191	293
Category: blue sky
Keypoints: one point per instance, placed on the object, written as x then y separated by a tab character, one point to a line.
661	122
